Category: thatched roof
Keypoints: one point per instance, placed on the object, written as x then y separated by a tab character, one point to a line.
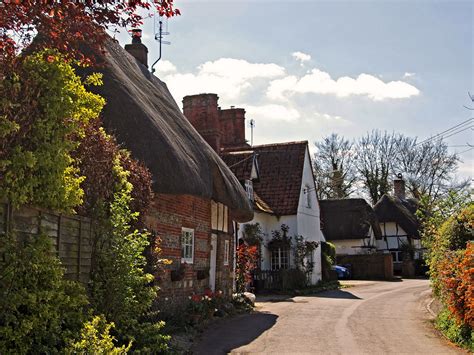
400	211
348	219
144	117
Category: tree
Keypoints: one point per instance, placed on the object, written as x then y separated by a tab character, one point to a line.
375	158
64	25
334	167
428	167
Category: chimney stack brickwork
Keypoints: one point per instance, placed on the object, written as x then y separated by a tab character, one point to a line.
220	128
399	188
137	48
203	113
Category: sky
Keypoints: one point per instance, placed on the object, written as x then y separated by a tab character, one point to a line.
305	69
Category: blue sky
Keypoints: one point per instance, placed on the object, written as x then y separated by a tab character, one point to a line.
305	69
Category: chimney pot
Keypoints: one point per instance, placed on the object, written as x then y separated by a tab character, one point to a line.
399	187
137	48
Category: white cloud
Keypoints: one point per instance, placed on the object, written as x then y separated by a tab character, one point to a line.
408	75
301	57
165	67
320	82
272	112
227	77
239	69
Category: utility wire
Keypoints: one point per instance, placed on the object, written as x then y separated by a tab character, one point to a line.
465	151
448	131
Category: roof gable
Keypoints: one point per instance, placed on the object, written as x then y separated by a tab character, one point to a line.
280	168
348	219
393	209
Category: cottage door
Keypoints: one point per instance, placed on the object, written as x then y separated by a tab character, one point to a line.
212	267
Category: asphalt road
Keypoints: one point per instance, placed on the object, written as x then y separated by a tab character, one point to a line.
368	318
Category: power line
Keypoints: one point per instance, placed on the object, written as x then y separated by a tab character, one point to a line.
449	130
465	151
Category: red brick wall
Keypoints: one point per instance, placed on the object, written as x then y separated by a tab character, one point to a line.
167	215
233	127
203	113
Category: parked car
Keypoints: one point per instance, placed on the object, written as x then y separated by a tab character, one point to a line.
342	272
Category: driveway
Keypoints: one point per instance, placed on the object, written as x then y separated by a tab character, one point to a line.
367	318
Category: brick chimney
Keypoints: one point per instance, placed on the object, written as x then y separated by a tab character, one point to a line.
233	127
203	113
137	48
399	187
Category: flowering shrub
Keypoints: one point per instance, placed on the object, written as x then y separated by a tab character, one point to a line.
205	305
457	284
247	257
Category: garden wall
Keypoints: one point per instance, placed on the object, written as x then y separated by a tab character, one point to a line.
369	266
70	235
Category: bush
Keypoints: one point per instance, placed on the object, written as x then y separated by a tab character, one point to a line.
40	311
458	333
96	339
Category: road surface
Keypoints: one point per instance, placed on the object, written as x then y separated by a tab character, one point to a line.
367	318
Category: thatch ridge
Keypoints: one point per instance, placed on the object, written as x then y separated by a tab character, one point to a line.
402	212
144	117
349	218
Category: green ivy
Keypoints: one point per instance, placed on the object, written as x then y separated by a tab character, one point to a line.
40	311
121	290
43	111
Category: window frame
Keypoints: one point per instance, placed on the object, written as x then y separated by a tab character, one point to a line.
282	254
184	258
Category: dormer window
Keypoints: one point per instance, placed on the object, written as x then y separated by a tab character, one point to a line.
249	189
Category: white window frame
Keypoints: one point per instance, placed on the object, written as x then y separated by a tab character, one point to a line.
185	233
226	252
280	254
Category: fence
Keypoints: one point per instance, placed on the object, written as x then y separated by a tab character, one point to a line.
283	279
71	236
368	266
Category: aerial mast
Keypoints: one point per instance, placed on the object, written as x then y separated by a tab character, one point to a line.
159	37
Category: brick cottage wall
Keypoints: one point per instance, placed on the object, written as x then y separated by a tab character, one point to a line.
225	273
167	216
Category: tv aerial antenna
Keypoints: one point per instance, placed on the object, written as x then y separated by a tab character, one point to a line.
159	36
252	126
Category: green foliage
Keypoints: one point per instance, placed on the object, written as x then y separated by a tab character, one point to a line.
448	226
303	252
328	258
96	339
43	110
40	311
458	333
253	234
120	288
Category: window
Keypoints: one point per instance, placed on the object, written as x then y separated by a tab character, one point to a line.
187	245
280	258
226	252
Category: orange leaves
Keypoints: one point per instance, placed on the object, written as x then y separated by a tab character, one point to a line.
457	283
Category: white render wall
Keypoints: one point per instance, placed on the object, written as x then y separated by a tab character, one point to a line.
349	246
306	222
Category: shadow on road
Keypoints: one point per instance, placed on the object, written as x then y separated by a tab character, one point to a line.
337	294
224	336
